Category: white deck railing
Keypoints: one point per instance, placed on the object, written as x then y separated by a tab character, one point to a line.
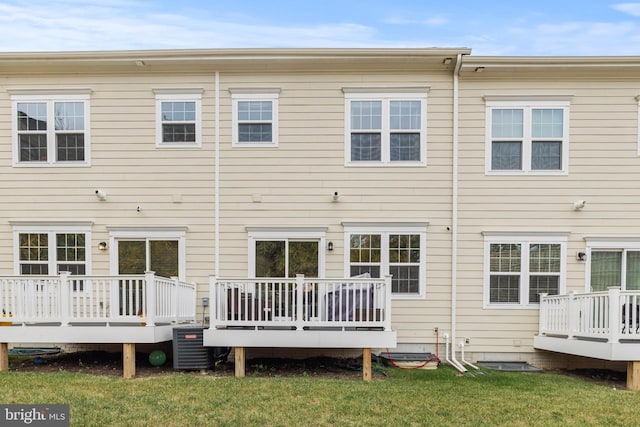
610	315
141	299
301	303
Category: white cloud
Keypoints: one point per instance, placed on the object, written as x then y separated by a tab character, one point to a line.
632	9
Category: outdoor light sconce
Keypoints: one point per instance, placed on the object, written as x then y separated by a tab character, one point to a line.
336	196
102	246
330	246
581	256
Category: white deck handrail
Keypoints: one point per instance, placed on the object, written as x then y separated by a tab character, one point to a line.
608	315
300	303
69	299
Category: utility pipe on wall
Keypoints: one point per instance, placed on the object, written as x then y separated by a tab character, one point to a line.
454	210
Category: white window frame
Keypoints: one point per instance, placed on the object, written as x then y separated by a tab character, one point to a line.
258	95
524	240
384	230
178	95
638	125
50	98
613	244
51	229
527	104
300	234
385	96
148	234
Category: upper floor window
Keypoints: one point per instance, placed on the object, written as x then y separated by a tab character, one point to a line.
386	128
178	118
520	268
527	136
255	117
399	251
51	130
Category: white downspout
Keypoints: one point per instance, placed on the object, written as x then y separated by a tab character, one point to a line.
217	178
454	214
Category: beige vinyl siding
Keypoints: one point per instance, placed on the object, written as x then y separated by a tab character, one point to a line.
124	162
296	180
604	170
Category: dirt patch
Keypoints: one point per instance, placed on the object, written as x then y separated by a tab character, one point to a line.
107	363
606	377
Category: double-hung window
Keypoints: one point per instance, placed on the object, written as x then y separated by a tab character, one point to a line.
520	268
51	130
613	263
178	118
527	136
399	251
50	250
385	128
255	117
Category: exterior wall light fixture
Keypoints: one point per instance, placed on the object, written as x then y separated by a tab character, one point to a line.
102	246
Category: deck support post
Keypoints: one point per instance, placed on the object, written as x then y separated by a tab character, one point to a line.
366	364
633	375
129	360
239	356
4	356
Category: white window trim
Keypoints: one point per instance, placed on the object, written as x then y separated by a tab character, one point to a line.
177	95
356	94
274	233
527	104
51	229
385	231
147	234
612	244
638	125
49	97
255	94
523	239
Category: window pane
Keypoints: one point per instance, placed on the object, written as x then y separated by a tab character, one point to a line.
255	132
34	269
70	146
507	123
69	115
178	111
504	258
633	271
132	257
405	147
184	132
405	114
405	279
546	155
270	258
541	285
506	155
255	110
303	258
504	289
33	147
544	258
164	257
606	270
32	116
546	123
366	115
365	147
373	270
70	247
75	269
34	247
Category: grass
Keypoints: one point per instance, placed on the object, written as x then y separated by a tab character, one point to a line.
404	398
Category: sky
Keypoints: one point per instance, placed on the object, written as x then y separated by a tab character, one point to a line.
506	28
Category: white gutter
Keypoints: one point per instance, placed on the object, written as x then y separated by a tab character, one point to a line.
217	178
454	215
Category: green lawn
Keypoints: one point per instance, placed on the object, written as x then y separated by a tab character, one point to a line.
433	397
